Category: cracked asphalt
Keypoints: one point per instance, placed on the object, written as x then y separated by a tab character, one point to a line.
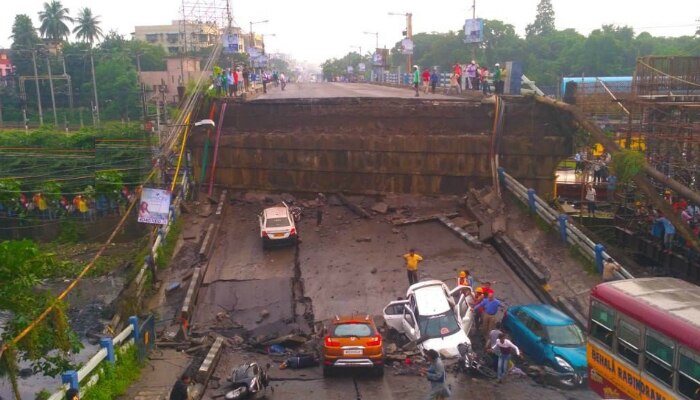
347	265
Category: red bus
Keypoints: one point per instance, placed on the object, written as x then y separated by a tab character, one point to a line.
644	339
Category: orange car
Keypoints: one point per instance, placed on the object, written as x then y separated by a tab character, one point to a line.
351	342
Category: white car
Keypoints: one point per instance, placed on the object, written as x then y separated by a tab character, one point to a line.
277	226
431	317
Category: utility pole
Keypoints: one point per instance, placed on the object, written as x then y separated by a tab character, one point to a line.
143	94
409	33
53	97
474	18
96	111
38	92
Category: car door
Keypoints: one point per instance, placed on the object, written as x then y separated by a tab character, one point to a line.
518	329
393	314
410	325
465	314
536	339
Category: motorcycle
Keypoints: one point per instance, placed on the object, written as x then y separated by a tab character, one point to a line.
296	213
470	362
247	381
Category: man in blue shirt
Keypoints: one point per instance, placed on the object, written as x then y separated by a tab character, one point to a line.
491	305
612	185
669	233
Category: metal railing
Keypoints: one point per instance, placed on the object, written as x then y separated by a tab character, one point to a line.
568	231
110	349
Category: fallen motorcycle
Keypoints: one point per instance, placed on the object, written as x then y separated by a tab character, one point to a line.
247	381
470	362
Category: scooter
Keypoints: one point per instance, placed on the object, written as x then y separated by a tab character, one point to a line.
470	362
247	381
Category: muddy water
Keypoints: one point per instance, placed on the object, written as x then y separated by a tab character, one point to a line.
88	304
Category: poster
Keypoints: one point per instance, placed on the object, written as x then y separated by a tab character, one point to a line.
350	69
474	30
154	206
380	57
230	43
407	46
361	67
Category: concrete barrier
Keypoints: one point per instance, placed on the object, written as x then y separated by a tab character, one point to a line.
210	362
471	240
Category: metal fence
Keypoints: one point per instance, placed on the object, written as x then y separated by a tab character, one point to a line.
568	231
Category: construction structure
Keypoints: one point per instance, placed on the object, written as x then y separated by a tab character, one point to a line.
666	92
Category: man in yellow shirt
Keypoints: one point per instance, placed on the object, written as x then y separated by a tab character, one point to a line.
412	260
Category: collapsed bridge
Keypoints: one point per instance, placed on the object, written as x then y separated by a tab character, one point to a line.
379	145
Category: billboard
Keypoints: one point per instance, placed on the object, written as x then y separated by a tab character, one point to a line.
380	57
407	46
474	30
361	67
230	43
154	206
350	69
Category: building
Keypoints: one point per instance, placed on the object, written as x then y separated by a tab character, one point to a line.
5	63
179	36
162	85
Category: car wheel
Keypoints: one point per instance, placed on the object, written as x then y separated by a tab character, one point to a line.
327	371
379	371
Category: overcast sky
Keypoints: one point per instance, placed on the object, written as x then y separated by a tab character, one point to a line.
315	30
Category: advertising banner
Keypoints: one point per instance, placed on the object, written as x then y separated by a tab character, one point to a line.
350	69
361	67
154	206
230	43
407	46
474	30
380	57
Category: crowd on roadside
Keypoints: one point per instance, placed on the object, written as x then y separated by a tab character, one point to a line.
472	76
86	205
238	79
662	230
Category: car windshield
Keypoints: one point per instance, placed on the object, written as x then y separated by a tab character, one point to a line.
435	326
352	329
277	222
565	335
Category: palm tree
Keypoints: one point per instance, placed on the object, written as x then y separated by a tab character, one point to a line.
53	21
87	26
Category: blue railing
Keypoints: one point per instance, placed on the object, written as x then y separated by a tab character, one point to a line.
567	230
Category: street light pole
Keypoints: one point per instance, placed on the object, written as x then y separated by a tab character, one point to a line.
376	38
474	18
409	35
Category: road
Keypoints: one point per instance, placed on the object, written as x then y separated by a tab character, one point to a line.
334	89
347	265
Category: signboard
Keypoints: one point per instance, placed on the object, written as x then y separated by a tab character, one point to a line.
261	60
230	43
253	52
361	67
154	206
474	30
380	57
407	46
350	69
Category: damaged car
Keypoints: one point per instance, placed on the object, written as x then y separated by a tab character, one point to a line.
432	318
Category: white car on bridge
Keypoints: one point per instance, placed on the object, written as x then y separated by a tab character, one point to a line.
431	317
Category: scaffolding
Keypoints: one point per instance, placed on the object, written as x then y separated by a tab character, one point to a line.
666	91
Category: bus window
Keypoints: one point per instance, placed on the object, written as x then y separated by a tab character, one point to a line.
628	342
658	360
689	374
602	323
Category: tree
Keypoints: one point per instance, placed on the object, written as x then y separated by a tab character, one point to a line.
53	21
88	26
24	39
544	20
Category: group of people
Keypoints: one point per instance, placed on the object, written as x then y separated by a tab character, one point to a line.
482	299
82	205
231	82
475	78
662	229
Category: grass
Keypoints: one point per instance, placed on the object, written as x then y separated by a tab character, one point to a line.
116	379
165	252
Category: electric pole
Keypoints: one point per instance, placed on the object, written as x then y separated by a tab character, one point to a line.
38	92
96	111
409	33
474	18
53	97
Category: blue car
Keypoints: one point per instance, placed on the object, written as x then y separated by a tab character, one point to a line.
549	337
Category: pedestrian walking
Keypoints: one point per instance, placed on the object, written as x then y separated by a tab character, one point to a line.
434	79
491	305
590	199
425	78
436	376
412	259
484	76
458	76
180	388
493	338
505	348
416	78
609	269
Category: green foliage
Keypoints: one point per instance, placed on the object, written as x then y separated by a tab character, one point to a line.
115	379
42	395
53	21
110	184
22	268
627	164
51	190
339	67
165	252
9	191
69	232
544	20
87	26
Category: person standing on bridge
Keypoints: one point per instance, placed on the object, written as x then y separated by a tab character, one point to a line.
416	78
458	75
434	78
180	388
491	306
590	198
412	259
425	77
